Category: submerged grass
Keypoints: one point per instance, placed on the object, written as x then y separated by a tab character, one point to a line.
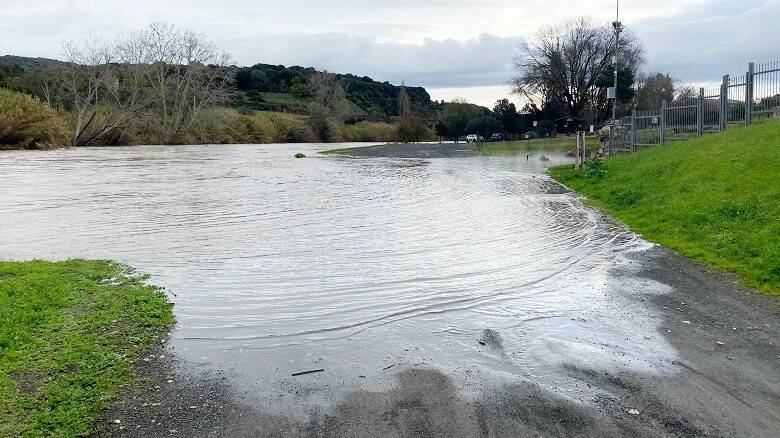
714	198
68	333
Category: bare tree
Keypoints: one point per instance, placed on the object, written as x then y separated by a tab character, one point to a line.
563	64
654	88
410	127
160	77
185	71
81	81
328	104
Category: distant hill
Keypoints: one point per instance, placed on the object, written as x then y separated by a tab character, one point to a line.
29	64
370	97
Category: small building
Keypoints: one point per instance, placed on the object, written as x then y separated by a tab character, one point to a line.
569	125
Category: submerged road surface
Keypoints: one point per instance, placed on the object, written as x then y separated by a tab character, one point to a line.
398	293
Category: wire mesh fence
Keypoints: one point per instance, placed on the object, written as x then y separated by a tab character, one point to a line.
740	100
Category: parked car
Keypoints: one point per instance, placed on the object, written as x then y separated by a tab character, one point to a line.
497	137
472	138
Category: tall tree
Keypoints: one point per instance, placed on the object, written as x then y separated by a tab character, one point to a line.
410	127
161	77
328	103
186	71
512	123
563	64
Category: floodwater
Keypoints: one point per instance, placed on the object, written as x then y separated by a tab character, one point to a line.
476	266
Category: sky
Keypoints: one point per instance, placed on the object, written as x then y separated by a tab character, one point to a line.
456	49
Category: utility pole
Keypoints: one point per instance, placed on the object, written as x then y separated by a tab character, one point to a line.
618	27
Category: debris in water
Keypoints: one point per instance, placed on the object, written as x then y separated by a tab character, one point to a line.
491	338
303	373
387	367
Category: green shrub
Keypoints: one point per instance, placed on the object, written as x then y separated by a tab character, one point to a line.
593	167
287	128
28	123
370	132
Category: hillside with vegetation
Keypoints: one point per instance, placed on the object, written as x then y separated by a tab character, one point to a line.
265	87
714	198
165	85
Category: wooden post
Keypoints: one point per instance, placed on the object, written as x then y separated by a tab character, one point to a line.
577	154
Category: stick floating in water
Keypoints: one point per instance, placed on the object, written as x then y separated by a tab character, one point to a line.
303	373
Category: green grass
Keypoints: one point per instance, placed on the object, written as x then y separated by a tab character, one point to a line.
285	99
715	198
68	333
348	150
524	146
303	102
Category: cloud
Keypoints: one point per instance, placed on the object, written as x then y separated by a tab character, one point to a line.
440	44
485	60
702	45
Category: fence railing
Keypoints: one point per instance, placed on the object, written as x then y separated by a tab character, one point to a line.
739	100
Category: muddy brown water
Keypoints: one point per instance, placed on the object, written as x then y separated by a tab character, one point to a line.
480	267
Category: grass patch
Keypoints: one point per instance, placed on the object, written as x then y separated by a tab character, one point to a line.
521	147
68	334
714	198
352	149
285	99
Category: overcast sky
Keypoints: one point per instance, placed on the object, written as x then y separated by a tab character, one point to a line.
454	48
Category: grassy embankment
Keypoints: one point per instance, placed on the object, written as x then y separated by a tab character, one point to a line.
497	148
68	334
560	144
714	198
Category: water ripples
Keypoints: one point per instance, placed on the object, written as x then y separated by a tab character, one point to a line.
264	252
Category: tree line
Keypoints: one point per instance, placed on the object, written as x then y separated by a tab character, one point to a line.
165	85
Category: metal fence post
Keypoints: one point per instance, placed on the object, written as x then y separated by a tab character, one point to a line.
724	103
700	113
749	93
632	133
663	122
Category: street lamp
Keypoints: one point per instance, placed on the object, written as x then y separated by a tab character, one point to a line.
618	27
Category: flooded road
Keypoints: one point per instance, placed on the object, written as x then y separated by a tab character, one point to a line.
478	266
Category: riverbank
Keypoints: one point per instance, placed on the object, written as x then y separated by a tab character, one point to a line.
456	150
712	198
69	334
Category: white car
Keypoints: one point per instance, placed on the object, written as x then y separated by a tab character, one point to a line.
472	138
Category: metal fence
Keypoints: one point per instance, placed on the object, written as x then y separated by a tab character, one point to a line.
739	100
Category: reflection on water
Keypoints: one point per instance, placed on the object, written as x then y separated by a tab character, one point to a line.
280	265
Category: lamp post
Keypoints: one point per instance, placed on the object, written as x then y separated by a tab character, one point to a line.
618	27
